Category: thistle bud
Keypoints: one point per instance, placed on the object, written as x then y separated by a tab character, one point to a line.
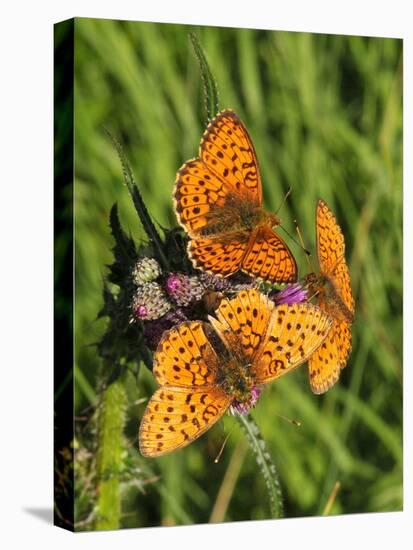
145	271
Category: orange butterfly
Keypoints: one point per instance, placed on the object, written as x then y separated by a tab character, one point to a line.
204	369
218	201
333	292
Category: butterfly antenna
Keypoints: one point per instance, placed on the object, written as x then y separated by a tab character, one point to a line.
331	499
307	252
288	193
300	238
218	457
301	245
290	420
313	295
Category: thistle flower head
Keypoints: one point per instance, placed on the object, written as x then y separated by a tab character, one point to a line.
145	271
150	302
183	289
243	408
291	294
212	282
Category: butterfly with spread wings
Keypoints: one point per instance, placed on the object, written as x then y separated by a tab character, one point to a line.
203	368
218	201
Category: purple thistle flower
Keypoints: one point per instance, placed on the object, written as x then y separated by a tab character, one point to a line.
183	289
212	282
238	407
291	294
141	311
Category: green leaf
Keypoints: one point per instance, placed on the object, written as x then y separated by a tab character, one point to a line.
210	85
124	251
140	206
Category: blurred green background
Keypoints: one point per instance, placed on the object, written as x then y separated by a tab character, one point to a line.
325	115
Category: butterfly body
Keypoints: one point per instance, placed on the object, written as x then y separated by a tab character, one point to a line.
218	201
333	294
204	369
328	296
236	379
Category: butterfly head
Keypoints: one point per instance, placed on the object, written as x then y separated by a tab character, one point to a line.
314	282
270	219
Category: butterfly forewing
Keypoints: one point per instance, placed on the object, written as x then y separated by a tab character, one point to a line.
227	150
330	250
330	240
198	197
242	323
294	334
218	257
185	357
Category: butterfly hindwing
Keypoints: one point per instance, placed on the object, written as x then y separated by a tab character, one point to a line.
269	258
342	335
324	365
176	416
189	401
341	280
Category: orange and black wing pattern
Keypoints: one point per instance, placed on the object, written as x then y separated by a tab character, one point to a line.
273	339
188	401
217	197
325	365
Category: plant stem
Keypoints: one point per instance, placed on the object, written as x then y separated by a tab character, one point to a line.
264	462
110	424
